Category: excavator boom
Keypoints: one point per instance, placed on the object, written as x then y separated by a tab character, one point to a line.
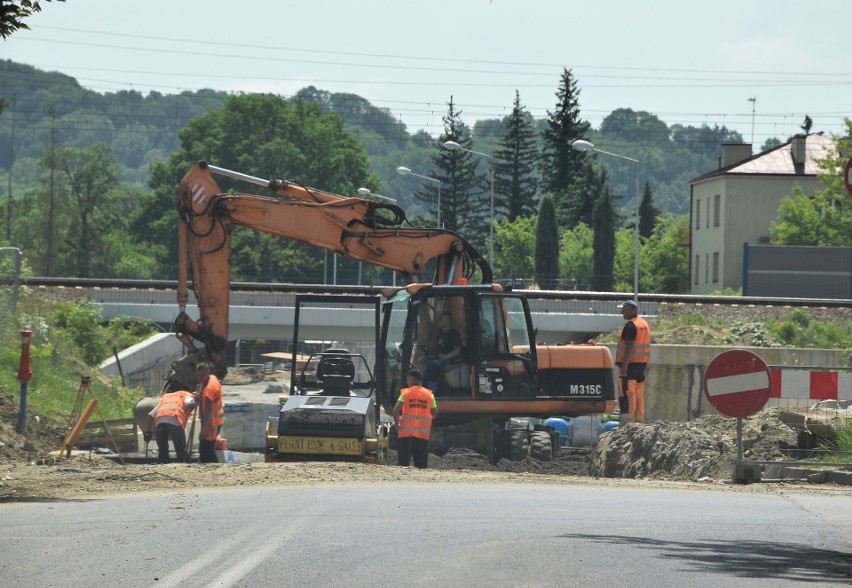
358	228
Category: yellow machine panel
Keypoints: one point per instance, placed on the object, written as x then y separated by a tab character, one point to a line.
320	445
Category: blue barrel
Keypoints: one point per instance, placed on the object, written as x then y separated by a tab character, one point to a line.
561	427
611	426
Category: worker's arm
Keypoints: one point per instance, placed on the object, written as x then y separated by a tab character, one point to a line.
454	352
397	412
629	349
434	407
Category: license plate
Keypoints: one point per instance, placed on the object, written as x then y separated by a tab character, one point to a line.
324	445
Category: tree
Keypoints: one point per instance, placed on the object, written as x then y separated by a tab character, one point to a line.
648	213
264	136
825	219
547	246
562	165
516	246
583	195
575	256
515	185
463	208
663	263
13	14
603	245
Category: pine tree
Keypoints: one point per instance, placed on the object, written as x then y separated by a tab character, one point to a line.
648	213
582	196
603	245
562	165
463	195
547	246
515	185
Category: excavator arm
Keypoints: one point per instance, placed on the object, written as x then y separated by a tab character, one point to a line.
362	229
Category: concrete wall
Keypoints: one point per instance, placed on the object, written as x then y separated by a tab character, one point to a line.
675	379
146	364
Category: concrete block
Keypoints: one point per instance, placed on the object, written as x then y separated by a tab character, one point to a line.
818	477
794	473
844	478
747	473
774	471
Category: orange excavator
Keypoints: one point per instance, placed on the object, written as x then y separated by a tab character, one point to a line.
500	373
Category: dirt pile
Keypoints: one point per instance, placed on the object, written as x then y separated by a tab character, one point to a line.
703	448
41	436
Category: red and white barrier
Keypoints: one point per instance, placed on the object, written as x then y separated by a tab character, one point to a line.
799	384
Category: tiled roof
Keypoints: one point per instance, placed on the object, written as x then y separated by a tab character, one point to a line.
779	160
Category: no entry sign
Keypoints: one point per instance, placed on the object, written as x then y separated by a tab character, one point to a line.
737	383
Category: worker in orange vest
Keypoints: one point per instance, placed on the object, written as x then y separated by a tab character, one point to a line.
632	356
413	413
168	421
210	412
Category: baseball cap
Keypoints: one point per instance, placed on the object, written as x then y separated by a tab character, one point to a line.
629	304
415	373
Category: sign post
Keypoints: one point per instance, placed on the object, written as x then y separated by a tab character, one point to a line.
737	383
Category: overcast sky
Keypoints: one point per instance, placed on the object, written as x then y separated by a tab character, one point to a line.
687	62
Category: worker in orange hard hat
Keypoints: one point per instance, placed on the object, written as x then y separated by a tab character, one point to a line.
413	413
167	421
632	356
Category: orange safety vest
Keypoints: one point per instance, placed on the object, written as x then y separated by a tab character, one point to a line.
211	399
416	418
174	405
642	345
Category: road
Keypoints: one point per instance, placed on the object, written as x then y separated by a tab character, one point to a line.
430	535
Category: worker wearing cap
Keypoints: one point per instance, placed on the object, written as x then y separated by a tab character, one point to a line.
413	413
632	357
210	412
168	420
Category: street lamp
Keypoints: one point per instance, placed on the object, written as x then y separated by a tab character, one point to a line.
581	145
453	146
404	171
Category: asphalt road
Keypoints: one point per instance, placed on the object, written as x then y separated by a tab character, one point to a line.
435	535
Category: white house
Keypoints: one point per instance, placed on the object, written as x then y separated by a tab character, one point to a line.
737	203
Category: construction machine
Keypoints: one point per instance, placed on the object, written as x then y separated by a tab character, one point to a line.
500	373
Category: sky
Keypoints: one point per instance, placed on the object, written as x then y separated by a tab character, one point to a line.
756	66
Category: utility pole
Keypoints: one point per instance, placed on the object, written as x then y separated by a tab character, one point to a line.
51	238
753	101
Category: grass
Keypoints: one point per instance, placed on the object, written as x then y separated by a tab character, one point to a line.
57	360
841	450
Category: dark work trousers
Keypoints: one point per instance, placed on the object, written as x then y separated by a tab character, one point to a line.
162	434
408	447
206	451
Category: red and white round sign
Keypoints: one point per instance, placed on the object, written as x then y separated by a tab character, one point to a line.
737	383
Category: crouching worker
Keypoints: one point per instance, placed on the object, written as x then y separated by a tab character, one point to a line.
167	421
413	413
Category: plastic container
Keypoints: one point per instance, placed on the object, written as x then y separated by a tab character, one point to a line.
230	456
610	426
585	430
561	427
221	444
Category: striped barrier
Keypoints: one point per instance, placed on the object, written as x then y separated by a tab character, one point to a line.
810	384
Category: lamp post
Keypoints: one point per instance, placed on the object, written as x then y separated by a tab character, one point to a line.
453	146
581	145
404	171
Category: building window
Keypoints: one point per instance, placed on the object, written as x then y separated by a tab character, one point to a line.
717	209
715	267
706	267
697	213
697	268
708	212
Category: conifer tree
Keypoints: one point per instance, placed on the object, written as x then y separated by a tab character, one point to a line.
648	213
603	244
515	185
562	166
547	246
463	206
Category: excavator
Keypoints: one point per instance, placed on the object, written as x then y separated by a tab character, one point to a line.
500	375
